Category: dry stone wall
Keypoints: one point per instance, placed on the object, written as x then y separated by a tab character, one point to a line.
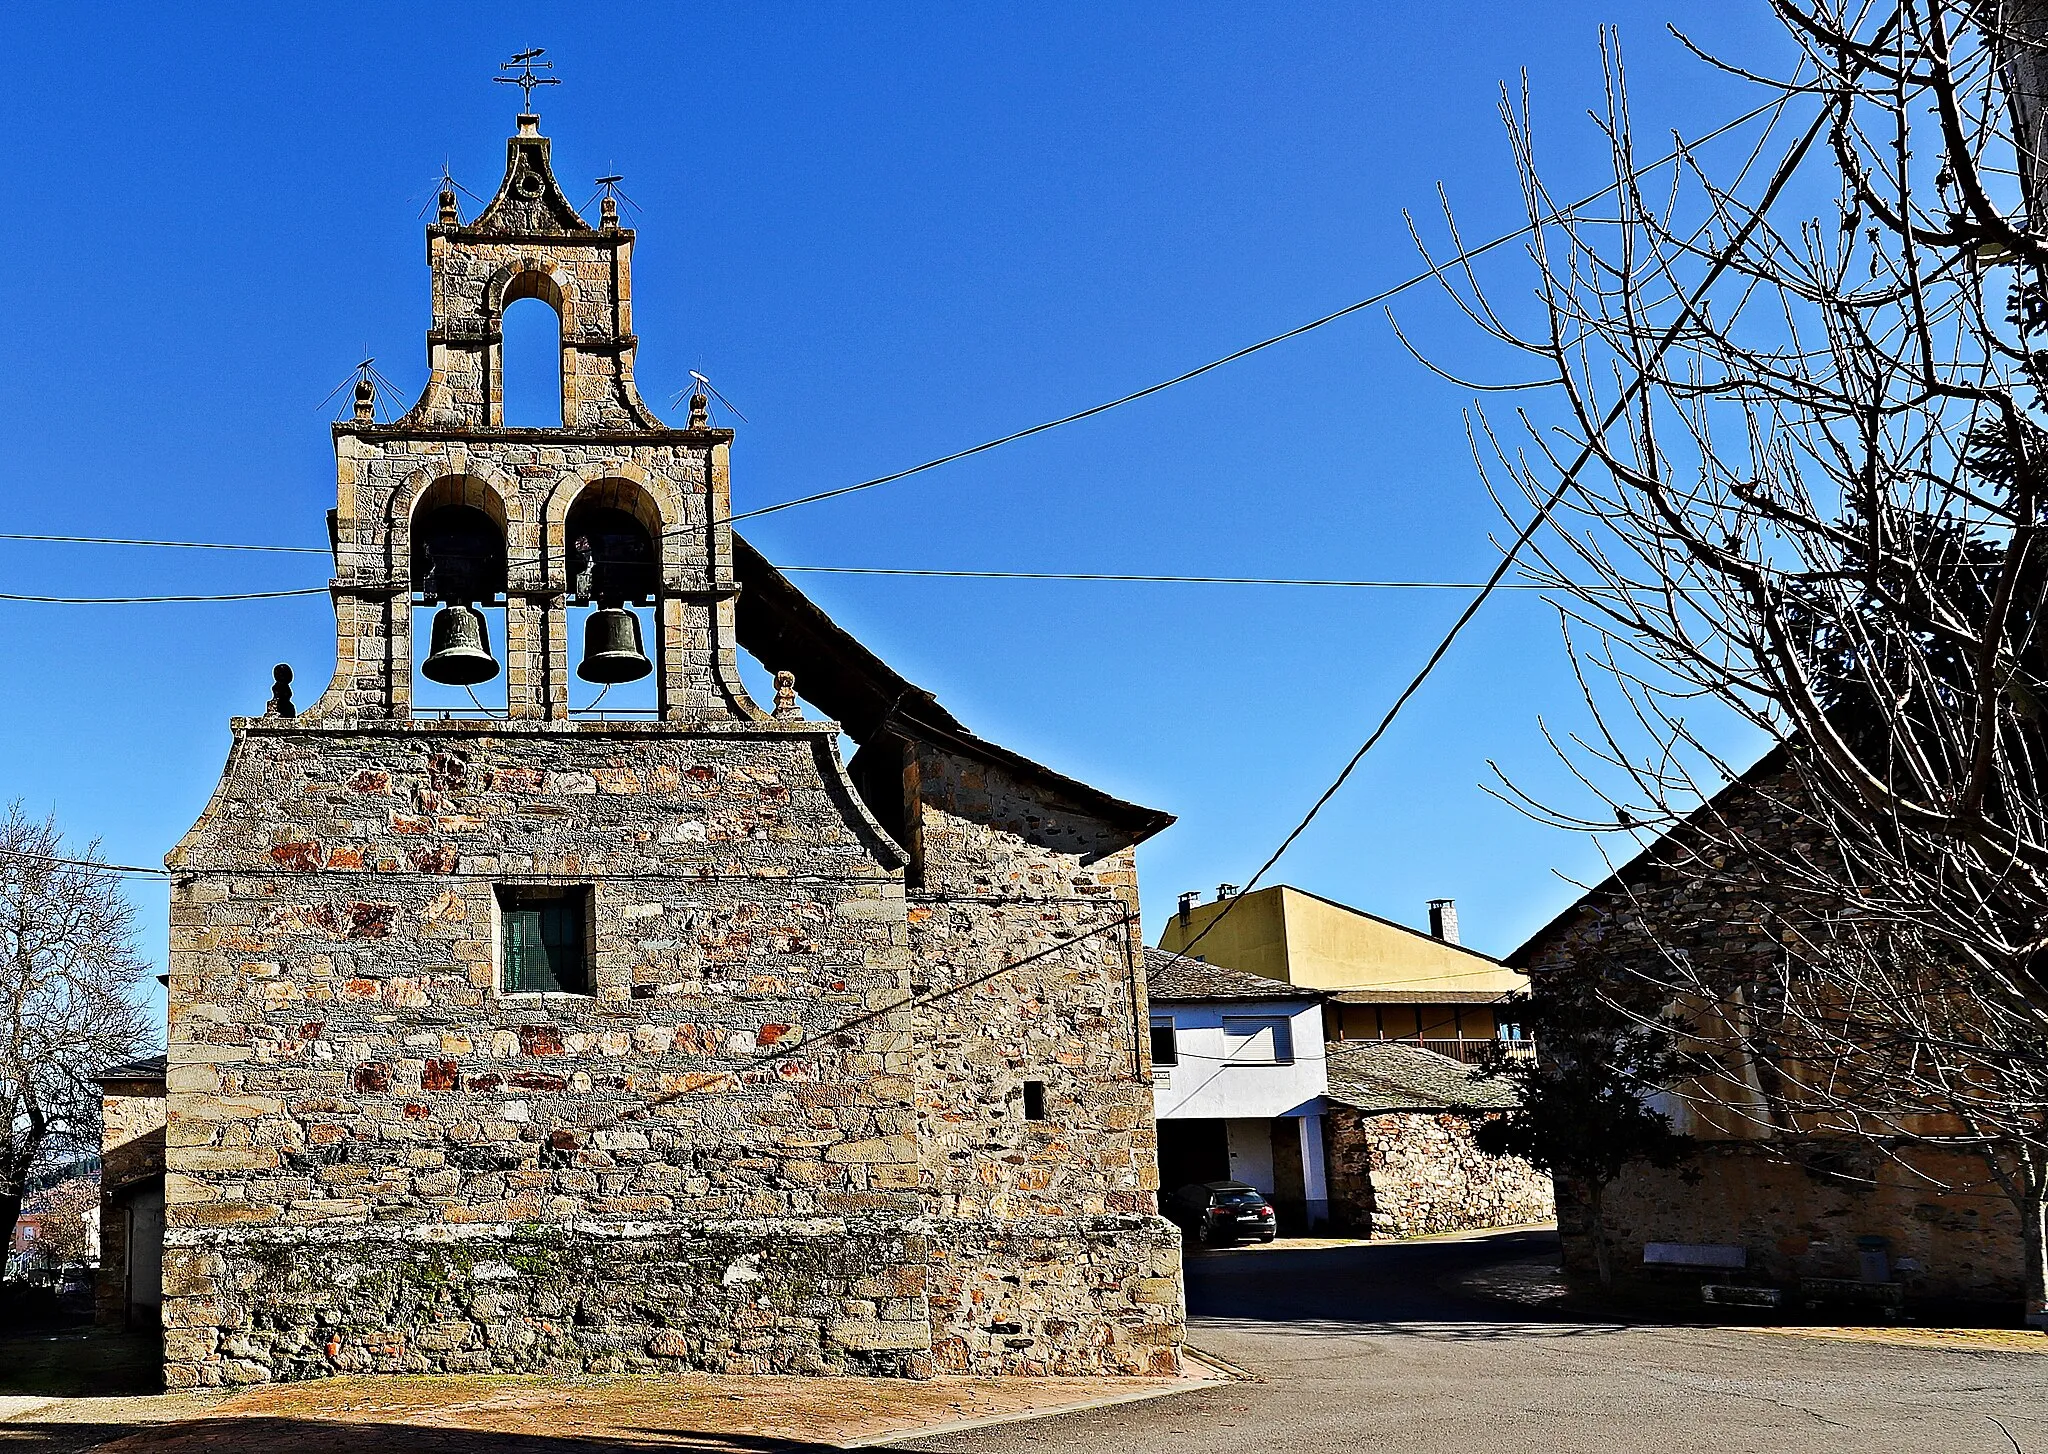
1060	1262
132	1115
1409	1173
344	1066
379	1161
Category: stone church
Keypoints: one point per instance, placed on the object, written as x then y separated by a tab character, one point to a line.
543	1038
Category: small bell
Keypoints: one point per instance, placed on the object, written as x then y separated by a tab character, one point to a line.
611	647
462	648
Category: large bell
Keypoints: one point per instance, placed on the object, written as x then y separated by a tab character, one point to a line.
611	647
462	648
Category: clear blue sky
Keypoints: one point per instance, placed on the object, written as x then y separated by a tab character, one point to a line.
886	232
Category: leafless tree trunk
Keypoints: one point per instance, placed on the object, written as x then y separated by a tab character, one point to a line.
1814	500
69	978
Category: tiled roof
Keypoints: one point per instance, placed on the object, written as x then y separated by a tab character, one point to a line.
150	1067
1171	976
1384	1075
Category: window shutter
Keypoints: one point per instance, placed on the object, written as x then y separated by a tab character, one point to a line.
525	956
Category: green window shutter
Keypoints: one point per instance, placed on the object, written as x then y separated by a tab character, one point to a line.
526	962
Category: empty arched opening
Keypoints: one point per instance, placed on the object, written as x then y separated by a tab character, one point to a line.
611	551
530	354
458	578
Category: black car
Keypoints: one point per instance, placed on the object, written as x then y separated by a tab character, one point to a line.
1222	1211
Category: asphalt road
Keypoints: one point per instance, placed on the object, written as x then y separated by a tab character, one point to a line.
1359	1347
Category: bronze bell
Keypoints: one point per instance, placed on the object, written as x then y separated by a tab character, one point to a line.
462	648
611	647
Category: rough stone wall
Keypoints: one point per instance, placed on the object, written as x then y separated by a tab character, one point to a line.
1797	1210
132	1115
1010	878
1750	1194
1409	1173
344	1069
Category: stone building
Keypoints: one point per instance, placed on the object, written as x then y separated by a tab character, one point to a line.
132	1112
1769	1195
1398	1135
544	1040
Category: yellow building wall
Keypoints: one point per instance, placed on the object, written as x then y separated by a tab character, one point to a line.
1288	935
1413	1022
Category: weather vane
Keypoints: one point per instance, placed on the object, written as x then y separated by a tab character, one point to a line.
528	61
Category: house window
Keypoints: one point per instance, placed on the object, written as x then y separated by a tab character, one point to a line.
544	940
1165	1051
1257	1040
1034	1100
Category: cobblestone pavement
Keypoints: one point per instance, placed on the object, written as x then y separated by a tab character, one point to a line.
1372	1347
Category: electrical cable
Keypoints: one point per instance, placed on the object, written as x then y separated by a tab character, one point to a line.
1724	257
167	544
161	600
1463	255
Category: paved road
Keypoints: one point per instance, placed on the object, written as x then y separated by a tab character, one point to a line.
1358	1348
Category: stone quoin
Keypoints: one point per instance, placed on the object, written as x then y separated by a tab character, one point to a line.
543	1042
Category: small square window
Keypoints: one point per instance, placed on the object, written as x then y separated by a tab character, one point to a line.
1165	1049
544	940
1250	1040
1034	1100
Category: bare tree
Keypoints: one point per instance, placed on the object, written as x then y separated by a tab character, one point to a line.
1799	478
69	978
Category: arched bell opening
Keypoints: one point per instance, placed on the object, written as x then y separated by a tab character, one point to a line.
531	383
614	574
458	581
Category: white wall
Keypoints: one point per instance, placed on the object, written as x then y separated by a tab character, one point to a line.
1230	1076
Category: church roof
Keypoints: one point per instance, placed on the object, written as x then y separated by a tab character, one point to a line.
786	631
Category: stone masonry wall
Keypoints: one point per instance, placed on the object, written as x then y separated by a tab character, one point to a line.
1062	1209
1797	1211
1409	1173
344	1068
1742	1192
132	1115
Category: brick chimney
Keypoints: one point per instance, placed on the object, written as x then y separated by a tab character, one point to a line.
1443	920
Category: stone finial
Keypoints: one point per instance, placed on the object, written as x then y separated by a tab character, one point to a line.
366	401
608	214
700	412
280	703
449	216
786	709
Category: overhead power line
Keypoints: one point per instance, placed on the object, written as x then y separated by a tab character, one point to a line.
1463	255
160	600
1693	300
1385	294
167	544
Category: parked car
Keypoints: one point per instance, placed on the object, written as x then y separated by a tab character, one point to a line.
1214	1212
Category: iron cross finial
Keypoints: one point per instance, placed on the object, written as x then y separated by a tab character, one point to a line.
526	63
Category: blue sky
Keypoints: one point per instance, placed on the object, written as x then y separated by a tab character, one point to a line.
886	232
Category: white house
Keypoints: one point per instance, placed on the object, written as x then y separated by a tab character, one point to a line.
1238	1080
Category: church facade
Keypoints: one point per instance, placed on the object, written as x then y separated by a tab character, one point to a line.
544	1038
